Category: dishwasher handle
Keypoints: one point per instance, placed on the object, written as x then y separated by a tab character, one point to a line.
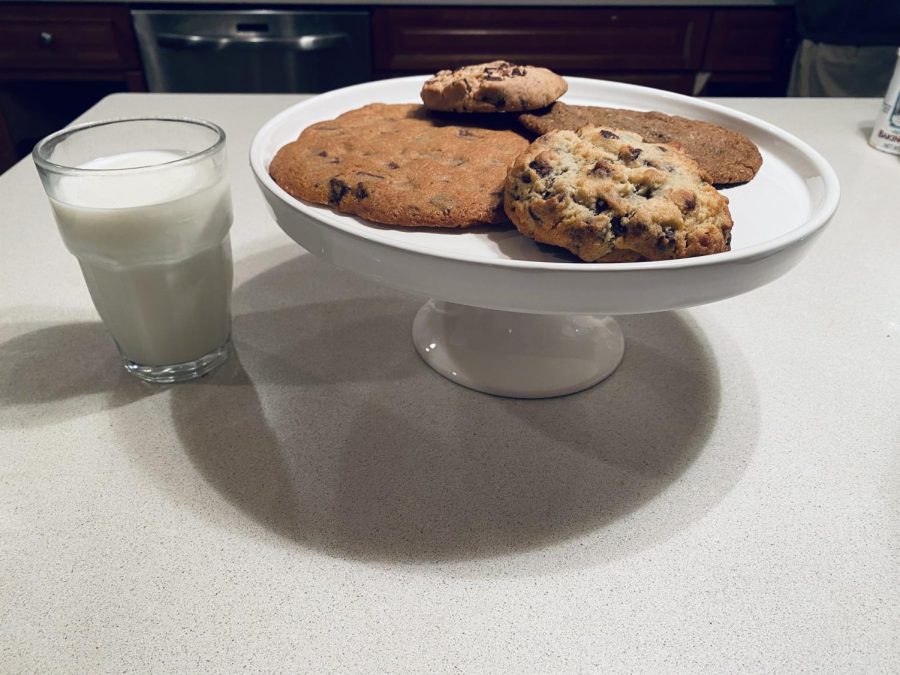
302	43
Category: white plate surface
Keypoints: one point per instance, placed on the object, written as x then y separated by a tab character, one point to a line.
775	215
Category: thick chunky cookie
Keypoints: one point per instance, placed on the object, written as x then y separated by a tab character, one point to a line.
607	196
497	86
401	165
726	155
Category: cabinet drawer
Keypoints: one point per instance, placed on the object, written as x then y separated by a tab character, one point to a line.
749	40
66	37
567	40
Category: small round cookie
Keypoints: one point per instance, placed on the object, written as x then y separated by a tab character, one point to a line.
607	196
497	86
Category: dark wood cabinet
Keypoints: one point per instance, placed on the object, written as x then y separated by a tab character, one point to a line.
56	60
691	50
749	51
586	41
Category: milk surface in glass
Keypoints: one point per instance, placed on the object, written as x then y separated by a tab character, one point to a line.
154	250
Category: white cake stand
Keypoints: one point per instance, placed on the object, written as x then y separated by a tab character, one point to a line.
508	317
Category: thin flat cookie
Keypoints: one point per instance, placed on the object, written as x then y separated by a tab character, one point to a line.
399	164
726	155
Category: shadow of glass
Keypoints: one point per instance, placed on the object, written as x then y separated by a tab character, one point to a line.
54	372
330	431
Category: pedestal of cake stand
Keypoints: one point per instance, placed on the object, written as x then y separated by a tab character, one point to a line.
514	354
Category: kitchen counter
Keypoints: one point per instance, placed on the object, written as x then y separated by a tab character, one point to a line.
728	500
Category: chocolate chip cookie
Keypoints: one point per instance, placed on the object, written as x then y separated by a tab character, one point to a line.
498	86
726	155
608	196
402	165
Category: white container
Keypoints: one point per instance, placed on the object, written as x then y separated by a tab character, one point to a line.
149	227
886	132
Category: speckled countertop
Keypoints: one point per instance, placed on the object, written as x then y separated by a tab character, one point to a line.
728	501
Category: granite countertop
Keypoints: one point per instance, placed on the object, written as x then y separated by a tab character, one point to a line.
727	501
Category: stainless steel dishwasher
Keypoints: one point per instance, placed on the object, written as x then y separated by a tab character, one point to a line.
253	50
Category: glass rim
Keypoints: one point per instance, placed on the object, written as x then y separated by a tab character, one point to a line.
45	164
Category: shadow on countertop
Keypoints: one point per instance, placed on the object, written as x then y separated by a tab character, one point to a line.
326	428
329	430
52	372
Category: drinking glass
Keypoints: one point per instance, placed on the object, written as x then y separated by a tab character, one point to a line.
144	205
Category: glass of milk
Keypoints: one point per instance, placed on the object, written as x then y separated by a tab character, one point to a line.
144	205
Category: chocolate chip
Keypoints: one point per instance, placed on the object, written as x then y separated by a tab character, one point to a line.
518	71
618	229
602	168
600	205
526	178
492	98
690	203
533	215
633	154
361	191
324	153
644	190
541	169
336	190
666	239
663	148
607	134
393	165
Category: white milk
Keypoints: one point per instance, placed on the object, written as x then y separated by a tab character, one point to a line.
154	248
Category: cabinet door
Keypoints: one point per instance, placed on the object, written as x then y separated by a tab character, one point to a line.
37	36
749	40
749	52
571	41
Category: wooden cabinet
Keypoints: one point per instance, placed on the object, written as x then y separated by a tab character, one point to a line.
688	50
586	41
56	60
749	51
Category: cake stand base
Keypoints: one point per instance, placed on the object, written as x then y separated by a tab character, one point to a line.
517	355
